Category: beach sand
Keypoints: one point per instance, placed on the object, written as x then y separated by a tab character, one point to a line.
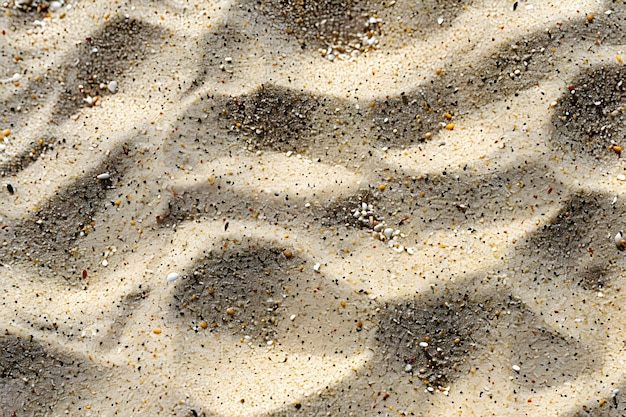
277	208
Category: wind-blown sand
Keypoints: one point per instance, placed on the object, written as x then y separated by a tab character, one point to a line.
372	208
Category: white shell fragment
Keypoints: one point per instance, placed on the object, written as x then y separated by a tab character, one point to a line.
104	176
620	241
516	368
316	267
423	344
172	276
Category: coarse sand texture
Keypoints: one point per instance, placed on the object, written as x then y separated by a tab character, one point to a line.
307	208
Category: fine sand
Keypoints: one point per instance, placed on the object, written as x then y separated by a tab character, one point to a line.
284	207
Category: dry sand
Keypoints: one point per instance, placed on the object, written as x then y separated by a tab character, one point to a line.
233	152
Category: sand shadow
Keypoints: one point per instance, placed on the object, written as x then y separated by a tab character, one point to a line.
424	345
33	380
259	293
591	119
52	239
109	54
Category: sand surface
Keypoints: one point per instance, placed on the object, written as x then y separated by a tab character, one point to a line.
363	208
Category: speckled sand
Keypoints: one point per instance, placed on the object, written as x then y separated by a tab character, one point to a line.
239	141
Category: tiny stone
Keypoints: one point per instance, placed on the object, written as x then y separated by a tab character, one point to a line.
408	368
112	87
105	262
292	317
55	5
423	344
104	176
516	368
316	267
621	177
172	276
388	232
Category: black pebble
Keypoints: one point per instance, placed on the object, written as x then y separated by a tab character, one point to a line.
10	189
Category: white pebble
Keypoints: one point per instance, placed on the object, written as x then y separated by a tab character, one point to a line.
172	276
112	87
440	20
408	367
55	5
410	251
104	176
621	177
388	232
316	267
292	317
423	344
105	262
516	368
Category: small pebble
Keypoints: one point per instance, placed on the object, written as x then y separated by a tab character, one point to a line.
292	317
112	87
105	262
516	368
55	6
104	176
316	267
621	177
172	276
157	330
408	367
423	344
388	232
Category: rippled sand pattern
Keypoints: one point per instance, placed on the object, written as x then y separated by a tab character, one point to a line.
372	207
